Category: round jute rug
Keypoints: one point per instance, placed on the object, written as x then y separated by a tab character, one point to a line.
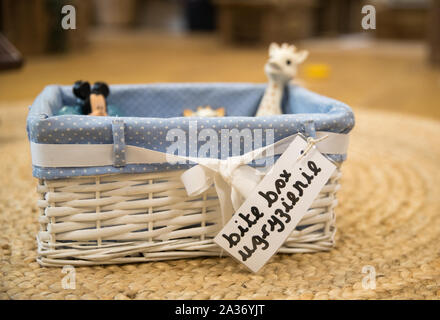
388	235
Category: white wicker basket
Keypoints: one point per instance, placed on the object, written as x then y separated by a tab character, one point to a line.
146	217
109	195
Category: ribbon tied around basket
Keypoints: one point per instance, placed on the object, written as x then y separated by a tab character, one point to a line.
233	179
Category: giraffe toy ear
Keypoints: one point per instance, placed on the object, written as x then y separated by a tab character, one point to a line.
301	56
273	47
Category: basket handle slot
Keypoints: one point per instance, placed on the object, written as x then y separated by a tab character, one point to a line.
118	130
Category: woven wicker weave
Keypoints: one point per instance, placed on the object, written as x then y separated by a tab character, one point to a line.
145	217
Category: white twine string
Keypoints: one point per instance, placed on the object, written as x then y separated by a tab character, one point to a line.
311	142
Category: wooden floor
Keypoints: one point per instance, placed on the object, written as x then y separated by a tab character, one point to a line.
369	74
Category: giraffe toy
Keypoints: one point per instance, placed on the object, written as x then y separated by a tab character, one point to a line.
280	69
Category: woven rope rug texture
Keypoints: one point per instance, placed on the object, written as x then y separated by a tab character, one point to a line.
388	217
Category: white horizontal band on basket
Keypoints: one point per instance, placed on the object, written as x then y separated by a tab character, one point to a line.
96	155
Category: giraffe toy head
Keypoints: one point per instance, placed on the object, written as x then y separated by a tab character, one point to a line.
283	62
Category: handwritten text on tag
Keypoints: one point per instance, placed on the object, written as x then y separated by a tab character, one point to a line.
267	217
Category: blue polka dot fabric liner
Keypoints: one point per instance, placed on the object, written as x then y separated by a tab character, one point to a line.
152	110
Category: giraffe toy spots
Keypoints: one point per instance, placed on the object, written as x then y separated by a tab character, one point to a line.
280	69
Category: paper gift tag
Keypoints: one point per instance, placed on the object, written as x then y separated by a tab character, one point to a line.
270	214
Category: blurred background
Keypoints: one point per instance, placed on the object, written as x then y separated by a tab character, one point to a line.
394	66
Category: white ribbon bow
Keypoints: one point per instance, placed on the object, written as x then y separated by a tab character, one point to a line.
233	179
